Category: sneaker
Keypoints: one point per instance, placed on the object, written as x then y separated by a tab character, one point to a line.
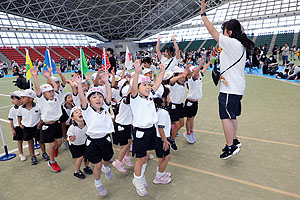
127	161
56	152
193	136
189	138
168	174
119	166
22	157
45	156
54	166
237	143
108	174
162	180
36	153
33	160
229	152
145	182
79	175
101	190
88	170
151	157
173	145
140	188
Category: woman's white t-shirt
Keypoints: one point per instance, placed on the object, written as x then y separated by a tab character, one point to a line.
232	50
165	61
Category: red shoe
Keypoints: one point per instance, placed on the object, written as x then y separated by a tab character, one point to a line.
54	166
56	152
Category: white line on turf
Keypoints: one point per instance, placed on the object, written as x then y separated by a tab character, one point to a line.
14	150
5	95
4	120
5	106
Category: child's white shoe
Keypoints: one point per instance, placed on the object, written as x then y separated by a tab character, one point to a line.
22	157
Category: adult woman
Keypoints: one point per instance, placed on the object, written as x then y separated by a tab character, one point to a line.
234	44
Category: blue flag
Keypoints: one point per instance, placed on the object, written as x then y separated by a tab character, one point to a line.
48	61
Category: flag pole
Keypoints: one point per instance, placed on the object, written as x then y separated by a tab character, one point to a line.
50	60
27	59
81	64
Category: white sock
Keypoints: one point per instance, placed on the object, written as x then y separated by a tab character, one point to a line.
98	183
143	169
138	179
105	169
159	174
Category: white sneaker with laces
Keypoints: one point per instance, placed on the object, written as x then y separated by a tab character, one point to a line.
22	157
36	153
188	138
140	188
162	180
193	136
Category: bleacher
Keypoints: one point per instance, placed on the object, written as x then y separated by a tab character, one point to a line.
263	39
283	38
97	50
167	45
209	43
88	52
195	45
13	54
73	50
32	53
62	52
182	45
298	43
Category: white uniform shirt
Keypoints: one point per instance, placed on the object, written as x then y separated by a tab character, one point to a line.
153	69
50	109
124	117
232	50
76	100
75	130
177	93
116	96
99	123
68	111
164	121
195	88
143	111
13	115
30	118
61	95
165	61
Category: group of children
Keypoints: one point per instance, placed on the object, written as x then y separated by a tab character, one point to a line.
147	115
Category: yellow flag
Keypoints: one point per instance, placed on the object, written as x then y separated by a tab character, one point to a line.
28	66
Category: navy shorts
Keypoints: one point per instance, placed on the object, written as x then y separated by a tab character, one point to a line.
19	134
144	139
122	134
159	150
29	133
98	149
50	132
77	150
229	105
190	108
176	112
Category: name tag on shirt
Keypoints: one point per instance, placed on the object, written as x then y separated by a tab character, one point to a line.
88	142
139	134
189	104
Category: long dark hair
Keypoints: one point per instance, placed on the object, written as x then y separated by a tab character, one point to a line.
238	33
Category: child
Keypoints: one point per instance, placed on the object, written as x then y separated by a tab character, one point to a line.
177	95
68	105
148	65
144	120
163	128
123	129
77	137
191	103
14	124
98	120
28	117
50	114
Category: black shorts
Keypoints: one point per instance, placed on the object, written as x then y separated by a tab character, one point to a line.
77	150
29	133
98	149
159	150
19	134
229	105
176	112
122	134
50	132
190	108
144	139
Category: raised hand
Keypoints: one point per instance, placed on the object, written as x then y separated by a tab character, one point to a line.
159	37
46	73
33	72
173	37
50	69
58	70
77	79
104	77
203	6
162	68
137	66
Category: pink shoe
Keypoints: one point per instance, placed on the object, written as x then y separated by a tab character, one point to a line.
168	174
119	166
126	160
162	180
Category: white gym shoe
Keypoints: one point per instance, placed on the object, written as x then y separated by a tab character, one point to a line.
107	173
140	188
36	153
189	138
193	136
126	160
22	157
119	166
151	157
101	190
162	180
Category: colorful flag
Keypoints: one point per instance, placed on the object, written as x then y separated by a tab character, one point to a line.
48	61
105	61
128	60
28	66
83	64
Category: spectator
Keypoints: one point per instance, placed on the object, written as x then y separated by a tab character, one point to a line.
293	52
112	59
5	67
40	66
290	72
271	66
275	51
285	53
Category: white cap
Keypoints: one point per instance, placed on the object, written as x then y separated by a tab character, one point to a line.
178	70
124	90
67	94
193	68
16	94
28	93
168	75
146	70
159	92
117	78
122	82
55	79
74	109
142	79
94	90
46	88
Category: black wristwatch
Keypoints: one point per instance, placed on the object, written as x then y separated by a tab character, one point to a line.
203	14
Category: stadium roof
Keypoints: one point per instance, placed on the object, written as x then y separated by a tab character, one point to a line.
111	19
